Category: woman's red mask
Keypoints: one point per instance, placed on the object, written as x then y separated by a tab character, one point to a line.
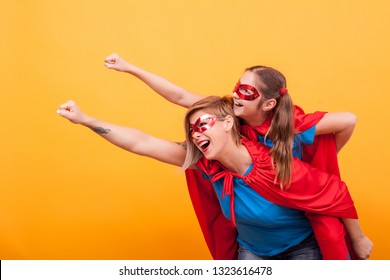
202	124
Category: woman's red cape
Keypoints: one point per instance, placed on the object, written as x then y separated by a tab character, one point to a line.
218	231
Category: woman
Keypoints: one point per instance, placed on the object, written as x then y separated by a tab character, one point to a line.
215	147
260	105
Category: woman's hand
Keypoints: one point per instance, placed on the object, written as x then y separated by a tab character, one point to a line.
70	111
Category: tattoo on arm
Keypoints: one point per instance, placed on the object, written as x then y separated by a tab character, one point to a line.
183	145
101	130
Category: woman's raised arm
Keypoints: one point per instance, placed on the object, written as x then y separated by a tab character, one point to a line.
130	139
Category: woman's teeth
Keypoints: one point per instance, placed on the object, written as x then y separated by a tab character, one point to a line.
204	144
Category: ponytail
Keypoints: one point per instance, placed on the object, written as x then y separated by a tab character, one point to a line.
282	134
272	85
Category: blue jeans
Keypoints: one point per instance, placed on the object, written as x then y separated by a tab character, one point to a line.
308	249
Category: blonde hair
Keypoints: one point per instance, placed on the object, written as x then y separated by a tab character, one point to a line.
221	107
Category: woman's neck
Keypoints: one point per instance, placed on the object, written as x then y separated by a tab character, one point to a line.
236	159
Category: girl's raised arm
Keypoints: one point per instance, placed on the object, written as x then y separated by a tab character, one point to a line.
162	86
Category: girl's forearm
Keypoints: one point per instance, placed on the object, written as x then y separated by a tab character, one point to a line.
168	90
341	124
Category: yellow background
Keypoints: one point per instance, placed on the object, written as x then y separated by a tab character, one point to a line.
67	194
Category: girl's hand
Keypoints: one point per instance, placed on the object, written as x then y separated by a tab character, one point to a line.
114	61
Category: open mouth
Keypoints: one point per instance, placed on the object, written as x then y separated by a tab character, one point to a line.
203	145
237	104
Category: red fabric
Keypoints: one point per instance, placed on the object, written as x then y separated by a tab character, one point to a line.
310	190
218	232
302	122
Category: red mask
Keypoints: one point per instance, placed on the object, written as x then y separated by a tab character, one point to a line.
246	92
202	124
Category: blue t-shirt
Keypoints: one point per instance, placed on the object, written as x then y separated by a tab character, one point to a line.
306	137
264	228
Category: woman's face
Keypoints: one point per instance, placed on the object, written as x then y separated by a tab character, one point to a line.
208	134
245	108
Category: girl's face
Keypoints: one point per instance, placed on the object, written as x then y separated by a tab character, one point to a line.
208	134
247	98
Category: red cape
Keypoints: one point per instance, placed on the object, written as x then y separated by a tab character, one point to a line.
219	233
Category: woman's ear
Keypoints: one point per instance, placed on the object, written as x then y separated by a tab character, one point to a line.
269	104
228	123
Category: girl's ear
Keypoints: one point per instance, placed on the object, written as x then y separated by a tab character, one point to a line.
228	122
269	104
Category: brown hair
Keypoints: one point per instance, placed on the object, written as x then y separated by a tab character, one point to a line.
221	107
270	82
